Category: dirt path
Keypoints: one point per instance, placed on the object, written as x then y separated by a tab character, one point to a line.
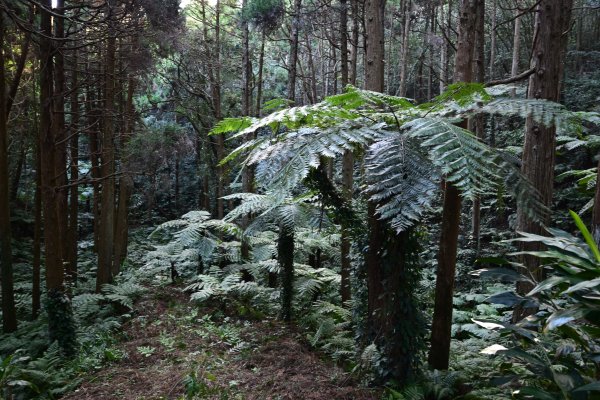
172	348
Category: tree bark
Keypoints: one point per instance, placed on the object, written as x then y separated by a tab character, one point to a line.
261	61
294	38
125	184
439	353
405	48
71	271
9	315
107	169
514	68
548	54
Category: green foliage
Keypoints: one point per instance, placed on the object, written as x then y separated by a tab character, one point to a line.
266	14
561	358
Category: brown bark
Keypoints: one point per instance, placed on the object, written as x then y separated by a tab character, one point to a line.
493	41
294	38
61	134
52	232
405	48
259	83
37	237
344	42
246	66
439	353
71	272
375	57
355	37
514	68
125	185
107	168
478	121
548	53
347	185
9	316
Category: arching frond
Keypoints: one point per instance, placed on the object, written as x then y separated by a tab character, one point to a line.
400	181
464	160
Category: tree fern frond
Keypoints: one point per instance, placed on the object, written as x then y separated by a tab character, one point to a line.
400	181
465	161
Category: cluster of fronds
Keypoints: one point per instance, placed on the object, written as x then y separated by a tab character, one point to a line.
409	148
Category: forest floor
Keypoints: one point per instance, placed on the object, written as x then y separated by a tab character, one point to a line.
173	349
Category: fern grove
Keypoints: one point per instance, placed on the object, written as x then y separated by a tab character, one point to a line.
382	199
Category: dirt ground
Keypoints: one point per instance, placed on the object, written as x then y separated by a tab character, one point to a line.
172	349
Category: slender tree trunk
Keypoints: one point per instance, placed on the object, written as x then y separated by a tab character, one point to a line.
37	236
514	69
261	61
405	48
443	50
294	38
439	352
478	121
71	272
548	54
61	134
355	39
216	92
9	315
344	42
246	66
493	41
125	184
107	170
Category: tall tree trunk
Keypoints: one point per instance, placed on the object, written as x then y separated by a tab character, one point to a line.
60	321
71	271
107	169
514	68
216	93
294	39
246	66
261	61
37	236
405	48
61	134
125	183
439	352
478	121
9	315
493	41
344	42
347	162
355	38
548	54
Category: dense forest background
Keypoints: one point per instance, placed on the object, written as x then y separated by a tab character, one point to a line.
407	187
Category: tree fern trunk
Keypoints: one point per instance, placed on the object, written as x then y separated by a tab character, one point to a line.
285	256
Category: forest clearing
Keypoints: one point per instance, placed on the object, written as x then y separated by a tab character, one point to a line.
303	199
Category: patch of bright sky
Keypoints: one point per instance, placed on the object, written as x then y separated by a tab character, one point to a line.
54	3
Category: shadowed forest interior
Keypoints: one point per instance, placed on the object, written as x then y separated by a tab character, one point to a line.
303	199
